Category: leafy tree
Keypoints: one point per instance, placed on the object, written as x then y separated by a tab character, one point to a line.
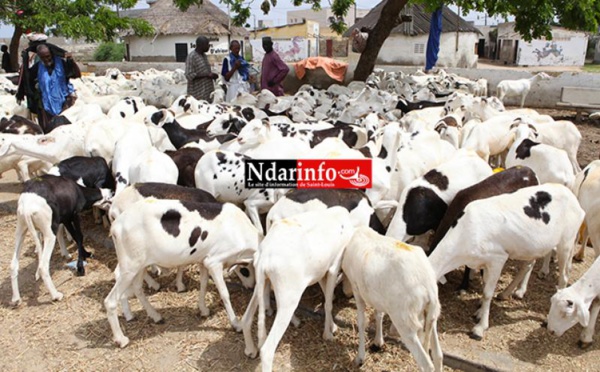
533	18
109	52
92	20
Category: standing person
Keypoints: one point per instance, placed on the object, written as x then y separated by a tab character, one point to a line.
198	73
274	70
6	65
49	91
235	72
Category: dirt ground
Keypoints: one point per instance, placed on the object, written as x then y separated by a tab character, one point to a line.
73	334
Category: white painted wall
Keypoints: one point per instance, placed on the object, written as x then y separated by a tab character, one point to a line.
400	50
569	52
163	47
293	50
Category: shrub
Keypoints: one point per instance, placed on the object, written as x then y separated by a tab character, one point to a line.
112	52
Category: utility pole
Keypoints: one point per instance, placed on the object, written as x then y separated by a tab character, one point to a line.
254	16
228	26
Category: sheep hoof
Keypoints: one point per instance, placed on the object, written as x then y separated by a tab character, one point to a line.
204	312
502	297
122	342
375	348
80	270
16	302
251	353
544	324
475	336
160	320
358	361
59	296
584	345
542	275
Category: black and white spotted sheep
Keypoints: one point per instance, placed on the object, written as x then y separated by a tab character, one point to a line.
221	173
171	233
304	200
19	125
507	181
47	203
524	225
425	200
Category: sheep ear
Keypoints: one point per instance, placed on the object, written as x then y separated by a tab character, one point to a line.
583	314
440	126
515	124
533	129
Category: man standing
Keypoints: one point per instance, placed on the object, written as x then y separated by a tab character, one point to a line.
49	91
274	70
235	72
6	65
198	72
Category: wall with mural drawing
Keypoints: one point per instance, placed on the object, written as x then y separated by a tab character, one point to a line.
567	47
553	52
293	50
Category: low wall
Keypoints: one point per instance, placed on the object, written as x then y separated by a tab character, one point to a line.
543	94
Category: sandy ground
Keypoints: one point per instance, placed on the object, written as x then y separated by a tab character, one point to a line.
73	334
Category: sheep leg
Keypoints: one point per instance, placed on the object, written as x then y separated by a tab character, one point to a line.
408	333
139	293
151	282
122	284
74	229
287	302
587	335
378	341
330	326
14	265
491	274
545	270
179	280
522	276
564	253
204	311
250	349
44	264
360	308
216	272
60	236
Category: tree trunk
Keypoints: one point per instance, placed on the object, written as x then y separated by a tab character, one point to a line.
14	47
377	36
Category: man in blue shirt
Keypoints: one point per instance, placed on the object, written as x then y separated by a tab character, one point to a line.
235	72
50	90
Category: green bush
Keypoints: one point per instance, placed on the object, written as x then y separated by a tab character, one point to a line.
111	52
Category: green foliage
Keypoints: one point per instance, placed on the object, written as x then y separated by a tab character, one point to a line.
533	18
92	20
111	52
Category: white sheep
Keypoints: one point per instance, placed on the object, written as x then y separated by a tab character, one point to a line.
549	163
579	303
170	233
524	225
297	252
519	88
397	279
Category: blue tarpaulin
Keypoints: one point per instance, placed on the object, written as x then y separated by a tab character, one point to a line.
433	43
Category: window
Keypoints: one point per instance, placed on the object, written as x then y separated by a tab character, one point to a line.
419	49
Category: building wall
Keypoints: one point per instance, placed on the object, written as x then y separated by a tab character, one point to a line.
567	48
308	29
322	17
410	50
569	52
162	49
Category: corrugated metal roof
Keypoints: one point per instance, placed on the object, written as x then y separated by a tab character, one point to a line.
421	21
